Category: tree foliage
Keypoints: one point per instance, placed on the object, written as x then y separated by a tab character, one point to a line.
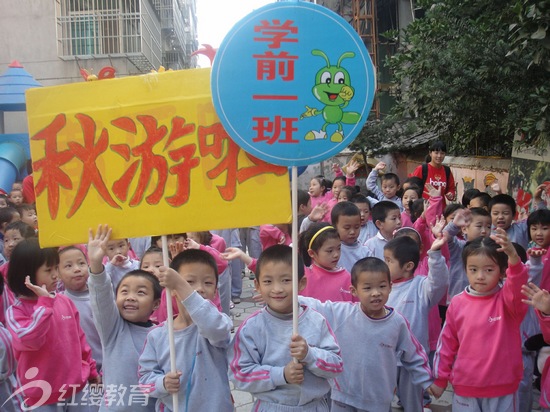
462	72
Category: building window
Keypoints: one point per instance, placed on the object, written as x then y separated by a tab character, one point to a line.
98	27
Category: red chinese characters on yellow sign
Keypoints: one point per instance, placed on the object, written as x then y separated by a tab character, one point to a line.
134	163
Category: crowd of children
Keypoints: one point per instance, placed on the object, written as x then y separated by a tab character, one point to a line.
402	291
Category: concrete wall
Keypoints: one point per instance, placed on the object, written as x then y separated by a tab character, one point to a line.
469	172
28	33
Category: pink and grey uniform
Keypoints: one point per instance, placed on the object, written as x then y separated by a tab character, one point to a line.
260	351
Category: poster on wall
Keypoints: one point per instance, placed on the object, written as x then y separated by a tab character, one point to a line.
527	171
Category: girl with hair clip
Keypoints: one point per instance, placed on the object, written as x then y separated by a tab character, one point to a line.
320	249
479	350
48	342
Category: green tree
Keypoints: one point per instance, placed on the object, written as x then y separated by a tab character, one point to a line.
459	76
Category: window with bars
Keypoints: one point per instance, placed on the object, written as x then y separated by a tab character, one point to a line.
98	27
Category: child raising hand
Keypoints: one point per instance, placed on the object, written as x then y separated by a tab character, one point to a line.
484	376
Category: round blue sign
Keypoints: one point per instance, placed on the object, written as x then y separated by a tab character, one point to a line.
293	83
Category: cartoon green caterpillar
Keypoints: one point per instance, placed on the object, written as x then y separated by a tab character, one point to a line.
333	89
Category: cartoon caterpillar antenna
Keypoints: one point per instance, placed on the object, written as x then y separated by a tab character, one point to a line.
333	89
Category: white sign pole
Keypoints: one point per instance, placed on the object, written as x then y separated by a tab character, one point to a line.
170	319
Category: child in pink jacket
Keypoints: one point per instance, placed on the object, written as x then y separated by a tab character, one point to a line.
48	342
479	350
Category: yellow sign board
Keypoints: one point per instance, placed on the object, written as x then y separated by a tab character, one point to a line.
147	155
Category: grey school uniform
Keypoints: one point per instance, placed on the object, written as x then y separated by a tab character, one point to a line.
200	356
376	245
370	368
122	342
457	275
414	298
352	253
82	302
260	351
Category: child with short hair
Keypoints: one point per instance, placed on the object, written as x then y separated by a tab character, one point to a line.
46	333
389	336
16	197
389	183
413	297
7	215
538	223
346	218
481	199
472	224
73	273
201	335
28	214
468	195
122	321
486	312
387	218
320	249
119	262
368	228
259	357
503	210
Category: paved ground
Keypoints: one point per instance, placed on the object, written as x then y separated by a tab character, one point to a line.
243	400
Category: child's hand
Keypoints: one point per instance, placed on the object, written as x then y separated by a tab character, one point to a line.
432	191
172	382
438	242
536	252
119	260
298	347
435	391
462	218
176	248
536	297
335	168
236	253
169	278
496	187
380	166
501	238
318	212
351	167
191	244
282	240
538	193
97	245
294	372
37	290
437	229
